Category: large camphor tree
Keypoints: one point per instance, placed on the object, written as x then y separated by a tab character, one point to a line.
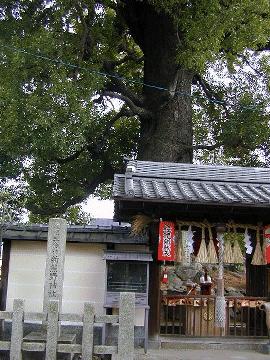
85	83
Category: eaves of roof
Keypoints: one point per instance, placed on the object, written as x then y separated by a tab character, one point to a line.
83	234
194	184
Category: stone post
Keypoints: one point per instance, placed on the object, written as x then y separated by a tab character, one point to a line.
126	326
54	274
88	331
52	330
17	330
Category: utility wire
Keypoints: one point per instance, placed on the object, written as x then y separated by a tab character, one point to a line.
113	76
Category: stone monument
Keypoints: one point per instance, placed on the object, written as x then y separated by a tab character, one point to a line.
54	273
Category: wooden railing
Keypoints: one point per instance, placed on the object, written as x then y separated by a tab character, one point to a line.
51	341
194	315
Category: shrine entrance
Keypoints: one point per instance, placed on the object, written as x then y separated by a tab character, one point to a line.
189	285
206	205
189	315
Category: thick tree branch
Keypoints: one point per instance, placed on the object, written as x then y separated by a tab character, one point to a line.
206	147
87	41
89	186
210	94
247	62
72	157
117	85
137	110
130	56
202	146
96	147
133	14
266	47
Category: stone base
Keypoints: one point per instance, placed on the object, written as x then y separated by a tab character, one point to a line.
266	348
112	335
154	344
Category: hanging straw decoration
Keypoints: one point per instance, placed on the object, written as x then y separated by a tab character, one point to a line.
258	258
248	244
139	224
212	254
179	247
237	256
264	251
228	254
202	256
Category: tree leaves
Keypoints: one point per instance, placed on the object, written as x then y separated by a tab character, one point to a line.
208	28
63	63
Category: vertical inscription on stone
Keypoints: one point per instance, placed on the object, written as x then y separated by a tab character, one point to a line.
54	274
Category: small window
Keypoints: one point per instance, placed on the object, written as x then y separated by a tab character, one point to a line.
127	276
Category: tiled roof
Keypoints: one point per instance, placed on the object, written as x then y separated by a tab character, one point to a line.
189	183
98	231
95	225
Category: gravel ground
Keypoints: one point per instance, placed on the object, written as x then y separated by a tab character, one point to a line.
200	355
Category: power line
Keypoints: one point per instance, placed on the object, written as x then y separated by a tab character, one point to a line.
113	76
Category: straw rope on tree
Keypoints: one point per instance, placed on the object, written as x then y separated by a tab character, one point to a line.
139	224
212	254
258	258
202	256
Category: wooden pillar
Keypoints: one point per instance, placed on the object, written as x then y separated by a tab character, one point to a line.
220	279
220	313
4	275
154	285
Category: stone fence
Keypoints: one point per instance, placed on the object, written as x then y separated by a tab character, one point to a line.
53	342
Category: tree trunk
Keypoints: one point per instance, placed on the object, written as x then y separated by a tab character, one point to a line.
168	135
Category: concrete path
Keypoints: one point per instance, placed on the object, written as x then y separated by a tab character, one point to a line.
167	354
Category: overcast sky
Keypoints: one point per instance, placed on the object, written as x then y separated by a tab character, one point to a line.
99	208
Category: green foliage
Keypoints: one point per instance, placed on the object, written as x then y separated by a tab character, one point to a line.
241	126
217	27
48	112
12	203
232	237
104	191
74	215
62	135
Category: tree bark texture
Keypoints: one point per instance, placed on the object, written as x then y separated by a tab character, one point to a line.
167	135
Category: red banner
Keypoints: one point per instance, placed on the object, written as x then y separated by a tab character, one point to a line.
266	235
166	244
